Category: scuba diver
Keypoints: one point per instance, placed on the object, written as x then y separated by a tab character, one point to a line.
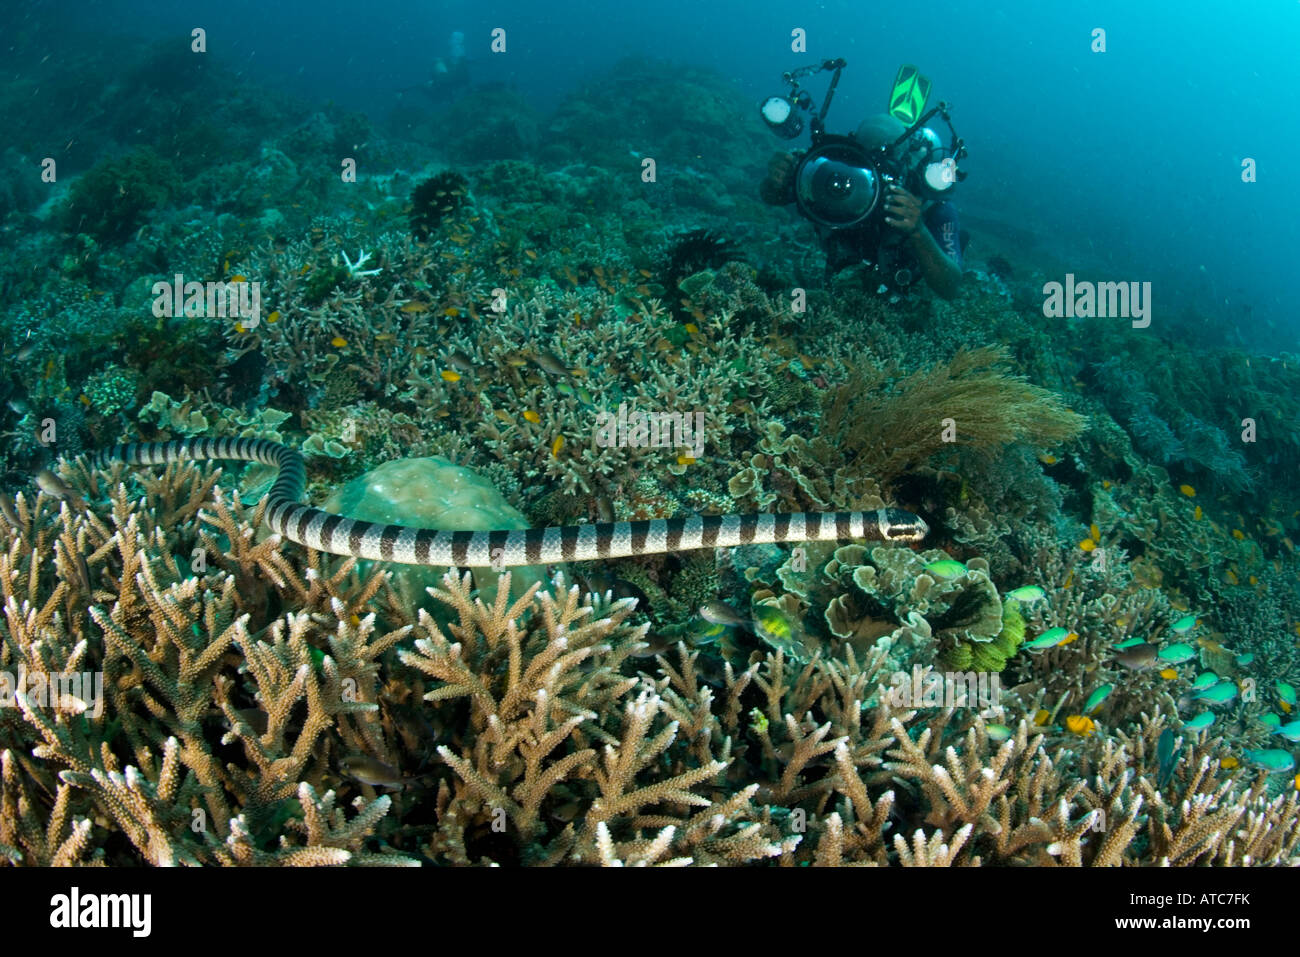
879	196
450	73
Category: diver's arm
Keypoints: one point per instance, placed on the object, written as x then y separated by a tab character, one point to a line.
903	212
941	273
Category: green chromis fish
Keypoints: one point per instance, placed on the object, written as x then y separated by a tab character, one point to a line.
1245	659
1183	625
1200	722
1273	760
997	733
1165	758
1286	693
1222	693
1176	654
1271	721
1097	697
1289	731
1027	593
1138	657
946	569
1206	679
564	388
1051	638
1129	643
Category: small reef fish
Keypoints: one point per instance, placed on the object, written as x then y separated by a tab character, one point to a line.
598	583
1165	758
1183	625
1051	638
945	569
997	733
1097	697
772	625
372	771
19	405
1137	658
1272	760
1289	731
1245	659
52	485
1222	693
7	510
458	360
1129	643
1187	490
1271	721
1177	654
1286	693
1027	593
1206	679
718	612
1169	674
549	363
1080	724
1200	722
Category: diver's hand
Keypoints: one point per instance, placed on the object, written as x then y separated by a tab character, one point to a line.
776	189
903	211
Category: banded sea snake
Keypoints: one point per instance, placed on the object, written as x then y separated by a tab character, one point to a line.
327	532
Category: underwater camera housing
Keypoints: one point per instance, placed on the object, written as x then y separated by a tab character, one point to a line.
839	182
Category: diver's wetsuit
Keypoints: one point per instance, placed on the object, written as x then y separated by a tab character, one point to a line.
887	249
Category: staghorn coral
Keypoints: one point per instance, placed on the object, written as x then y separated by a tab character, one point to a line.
528	728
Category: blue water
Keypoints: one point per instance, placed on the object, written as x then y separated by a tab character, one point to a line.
1126	162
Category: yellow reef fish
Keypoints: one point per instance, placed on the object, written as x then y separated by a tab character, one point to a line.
685	460
1087	544
1080	724
556	446
1187	490
692	328
532	416
449	376
1041	717
274	317
1169	674
1094	533
338	342
1238	534
415	307
1229	763
1198	514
